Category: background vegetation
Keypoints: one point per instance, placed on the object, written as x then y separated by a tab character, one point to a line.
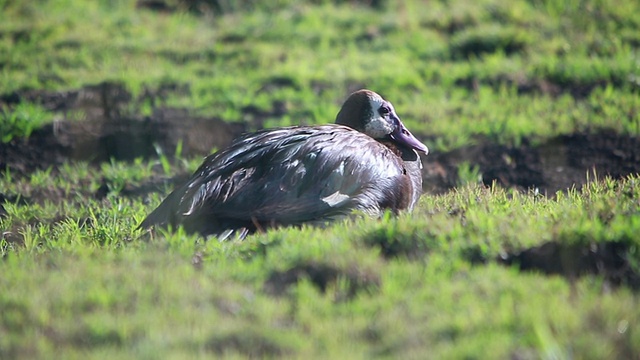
449	280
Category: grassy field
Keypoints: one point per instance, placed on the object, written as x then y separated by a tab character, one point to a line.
476	271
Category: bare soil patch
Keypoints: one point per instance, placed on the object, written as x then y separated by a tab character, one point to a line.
108	130
558	164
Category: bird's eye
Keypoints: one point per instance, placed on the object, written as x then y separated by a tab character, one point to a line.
384	110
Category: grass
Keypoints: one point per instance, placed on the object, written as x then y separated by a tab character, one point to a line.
429	282
476	272
433	64
20	121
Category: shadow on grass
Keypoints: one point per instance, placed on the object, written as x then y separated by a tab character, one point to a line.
322	276
610	260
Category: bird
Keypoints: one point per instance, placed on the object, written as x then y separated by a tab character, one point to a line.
367	161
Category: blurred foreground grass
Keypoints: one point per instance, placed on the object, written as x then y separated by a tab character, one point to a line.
425	284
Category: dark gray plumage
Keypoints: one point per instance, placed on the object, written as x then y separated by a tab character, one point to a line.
303	174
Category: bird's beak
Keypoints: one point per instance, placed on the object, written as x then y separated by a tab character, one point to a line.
403	136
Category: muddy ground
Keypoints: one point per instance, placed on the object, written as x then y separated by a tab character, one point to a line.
108	130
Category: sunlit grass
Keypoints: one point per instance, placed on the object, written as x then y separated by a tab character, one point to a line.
397	286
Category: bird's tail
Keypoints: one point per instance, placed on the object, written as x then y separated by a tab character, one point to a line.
164	215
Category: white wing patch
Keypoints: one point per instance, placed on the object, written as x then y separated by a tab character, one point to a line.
335	199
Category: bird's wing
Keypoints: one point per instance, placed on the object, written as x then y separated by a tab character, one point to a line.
292	175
